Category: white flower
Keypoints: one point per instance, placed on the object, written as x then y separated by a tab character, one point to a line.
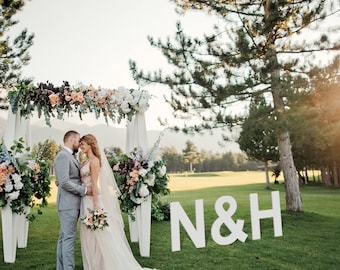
150	179
16	177
143	105
125	107
132	100
8	187
18	185
102	93
142	172
13	195
139	200
151	163
162	171
144	191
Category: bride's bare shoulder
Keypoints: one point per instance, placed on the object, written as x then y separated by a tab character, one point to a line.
94	161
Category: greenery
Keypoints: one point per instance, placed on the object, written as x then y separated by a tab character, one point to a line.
51	101
310	239
22	177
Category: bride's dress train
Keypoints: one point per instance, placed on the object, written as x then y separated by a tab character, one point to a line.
105	249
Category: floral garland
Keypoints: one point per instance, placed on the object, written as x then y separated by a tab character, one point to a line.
53	101
139	175
22	177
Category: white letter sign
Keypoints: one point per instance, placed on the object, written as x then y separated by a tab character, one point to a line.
224	217
256	215
178	215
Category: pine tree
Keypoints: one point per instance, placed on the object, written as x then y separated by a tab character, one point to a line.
13	52
260	44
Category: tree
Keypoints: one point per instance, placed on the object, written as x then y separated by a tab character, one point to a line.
47	151
323	107
257	138
190	155
260	47
172	159
13	53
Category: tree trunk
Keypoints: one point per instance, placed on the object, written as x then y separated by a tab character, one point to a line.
335	175
293	196
325	176
267	174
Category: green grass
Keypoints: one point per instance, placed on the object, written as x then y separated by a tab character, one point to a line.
311	240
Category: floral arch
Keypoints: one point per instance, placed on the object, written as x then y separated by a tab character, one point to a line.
56	102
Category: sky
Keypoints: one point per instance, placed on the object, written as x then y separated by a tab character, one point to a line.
91	42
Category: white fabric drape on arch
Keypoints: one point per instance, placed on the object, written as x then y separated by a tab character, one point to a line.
136	137
14	226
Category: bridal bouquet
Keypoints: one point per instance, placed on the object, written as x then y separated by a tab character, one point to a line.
95	219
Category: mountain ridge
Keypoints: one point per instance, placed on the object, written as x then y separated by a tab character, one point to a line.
115	136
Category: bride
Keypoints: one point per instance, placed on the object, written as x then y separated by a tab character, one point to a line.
108	248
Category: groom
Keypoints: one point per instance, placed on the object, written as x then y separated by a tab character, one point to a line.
70	191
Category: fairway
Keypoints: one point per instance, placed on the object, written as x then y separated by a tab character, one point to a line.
198	181
194	181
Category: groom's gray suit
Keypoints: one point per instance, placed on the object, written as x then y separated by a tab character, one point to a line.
70	190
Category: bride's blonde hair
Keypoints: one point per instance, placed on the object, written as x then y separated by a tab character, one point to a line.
92	141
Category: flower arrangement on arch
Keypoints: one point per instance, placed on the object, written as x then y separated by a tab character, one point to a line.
139	175
22	178
52	101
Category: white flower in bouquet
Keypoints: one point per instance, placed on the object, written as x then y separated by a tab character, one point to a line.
139	200
8	187
16	178
125	107
143	103
18	185
162	171
150	179
102	93
13	195
121	93
142	172
132	100
151	163
144	191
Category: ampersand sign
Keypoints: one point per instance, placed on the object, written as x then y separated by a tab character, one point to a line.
224	217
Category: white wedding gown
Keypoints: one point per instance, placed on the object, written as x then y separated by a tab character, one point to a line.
105	249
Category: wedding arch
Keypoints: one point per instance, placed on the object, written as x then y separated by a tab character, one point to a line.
56	102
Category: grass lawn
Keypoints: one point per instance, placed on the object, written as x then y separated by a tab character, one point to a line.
311	240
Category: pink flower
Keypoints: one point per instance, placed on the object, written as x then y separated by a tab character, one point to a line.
116	167
134	174
80	97
54	99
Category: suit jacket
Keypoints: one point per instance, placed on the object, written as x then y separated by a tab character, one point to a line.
67	173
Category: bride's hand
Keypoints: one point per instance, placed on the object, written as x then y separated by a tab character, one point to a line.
89	191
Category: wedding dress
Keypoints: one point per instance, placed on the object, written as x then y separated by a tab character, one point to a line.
105	249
